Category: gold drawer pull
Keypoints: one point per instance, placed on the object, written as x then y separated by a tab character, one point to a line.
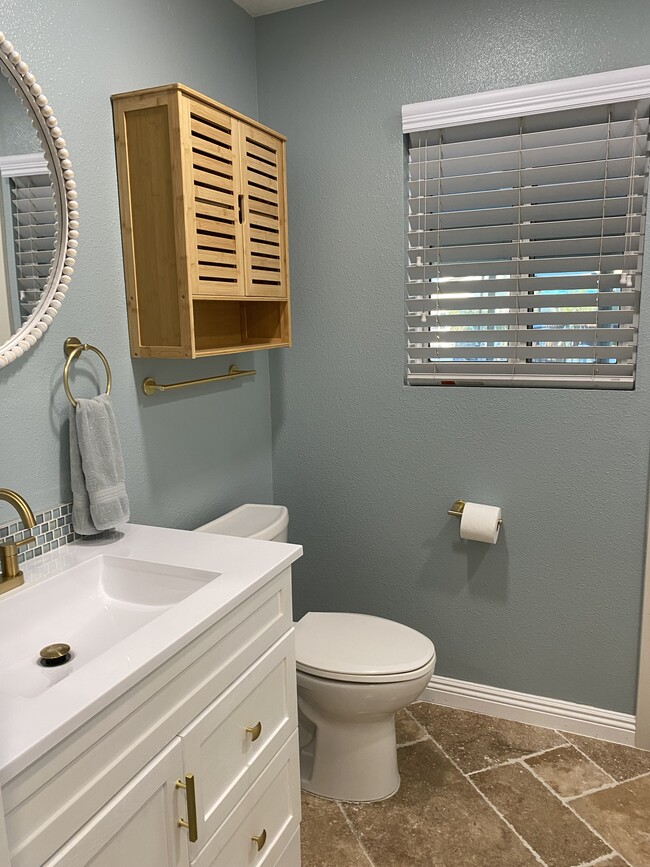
261	840
191	824
255	731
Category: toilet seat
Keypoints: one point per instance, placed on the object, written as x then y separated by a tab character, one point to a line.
360	648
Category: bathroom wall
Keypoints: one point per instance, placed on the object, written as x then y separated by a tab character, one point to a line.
17	134
191	454
368	467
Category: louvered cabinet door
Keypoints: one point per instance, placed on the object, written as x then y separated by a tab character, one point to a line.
217	269
264	213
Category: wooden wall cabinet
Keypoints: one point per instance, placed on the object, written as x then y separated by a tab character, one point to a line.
204	227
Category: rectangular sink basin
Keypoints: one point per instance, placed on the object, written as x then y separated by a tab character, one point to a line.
91	607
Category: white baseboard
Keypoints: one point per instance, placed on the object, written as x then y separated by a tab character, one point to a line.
580	719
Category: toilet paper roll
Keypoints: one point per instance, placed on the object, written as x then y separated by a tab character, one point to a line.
480	523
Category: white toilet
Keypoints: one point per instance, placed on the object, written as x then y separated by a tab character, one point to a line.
354	673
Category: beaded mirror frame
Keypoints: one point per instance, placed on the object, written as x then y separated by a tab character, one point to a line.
17	73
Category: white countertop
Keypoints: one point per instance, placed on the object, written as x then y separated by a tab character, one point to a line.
29	727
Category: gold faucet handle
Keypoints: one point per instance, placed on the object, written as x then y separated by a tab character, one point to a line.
10	572
11	548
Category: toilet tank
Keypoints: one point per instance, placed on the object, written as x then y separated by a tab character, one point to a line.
253	521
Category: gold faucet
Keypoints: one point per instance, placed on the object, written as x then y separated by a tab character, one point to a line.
11	575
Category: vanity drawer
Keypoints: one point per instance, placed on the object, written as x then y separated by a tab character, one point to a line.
228	745
270	810
90	766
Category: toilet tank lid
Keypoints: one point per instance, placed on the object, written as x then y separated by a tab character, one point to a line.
359	644
252	521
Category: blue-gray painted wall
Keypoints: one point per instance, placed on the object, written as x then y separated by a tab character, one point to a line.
368	467
17	133
189	455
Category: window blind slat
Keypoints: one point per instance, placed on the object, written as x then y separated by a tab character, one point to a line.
477	301
540	158
485	370
544	138
619	206
623	380
509	267
551	283
445	319
623	226
513	351
538	250
593	170
524	334
421	206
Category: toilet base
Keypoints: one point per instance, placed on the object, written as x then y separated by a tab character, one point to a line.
305	788
345	761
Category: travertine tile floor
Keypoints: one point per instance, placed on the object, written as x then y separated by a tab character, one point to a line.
481	792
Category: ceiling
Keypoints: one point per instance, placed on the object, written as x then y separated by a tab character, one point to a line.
266	7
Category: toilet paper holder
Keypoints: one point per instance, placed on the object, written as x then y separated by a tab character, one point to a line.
457	510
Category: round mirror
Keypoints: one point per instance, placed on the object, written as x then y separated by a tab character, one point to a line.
38	209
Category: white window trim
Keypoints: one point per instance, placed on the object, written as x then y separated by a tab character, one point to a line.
18	165
618	85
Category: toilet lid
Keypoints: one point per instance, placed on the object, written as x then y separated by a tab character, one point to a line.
356	646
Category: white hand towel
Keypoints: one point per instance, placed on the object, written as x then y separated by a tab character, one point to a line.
99	498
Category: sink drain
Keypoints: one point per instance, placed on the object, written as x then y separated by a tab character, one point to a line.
55	654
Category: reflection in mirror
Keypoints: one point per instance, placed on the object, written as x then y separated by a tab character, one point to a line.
27	214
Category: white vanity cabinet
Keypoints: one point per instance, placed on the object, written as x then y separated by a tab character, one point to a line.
222	710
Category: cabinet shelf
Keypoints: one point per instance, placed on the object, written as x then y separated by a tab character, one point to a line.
204	230
221	327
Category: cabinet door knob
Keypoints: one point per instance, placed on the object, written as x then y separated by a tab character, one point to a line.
260	841
254	731
191	824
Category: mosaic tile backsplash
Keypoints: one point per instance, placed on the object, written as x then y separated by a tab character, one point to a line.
53	529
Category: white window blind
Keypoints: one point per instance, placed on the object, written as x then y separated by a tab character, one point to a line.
34	237
524	249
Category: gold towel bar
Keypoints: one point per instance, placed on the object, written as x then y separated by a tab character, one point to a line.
73	347
149	385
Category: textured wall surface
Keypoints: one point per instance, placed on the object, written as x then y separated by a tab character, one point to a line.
188	455
17	134
368	467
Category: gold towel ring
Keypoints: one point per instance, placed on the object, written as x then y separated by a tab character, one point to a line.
74	347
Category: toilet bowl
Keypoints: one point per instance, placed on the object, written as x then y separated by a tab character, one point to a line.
354	672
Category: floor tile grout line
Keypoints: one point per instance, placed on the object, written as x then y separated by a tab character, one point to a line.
605	787
411	743
576	814
562	734
417	722
353	831
516	759
527	845
583	753
604	859
425	733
